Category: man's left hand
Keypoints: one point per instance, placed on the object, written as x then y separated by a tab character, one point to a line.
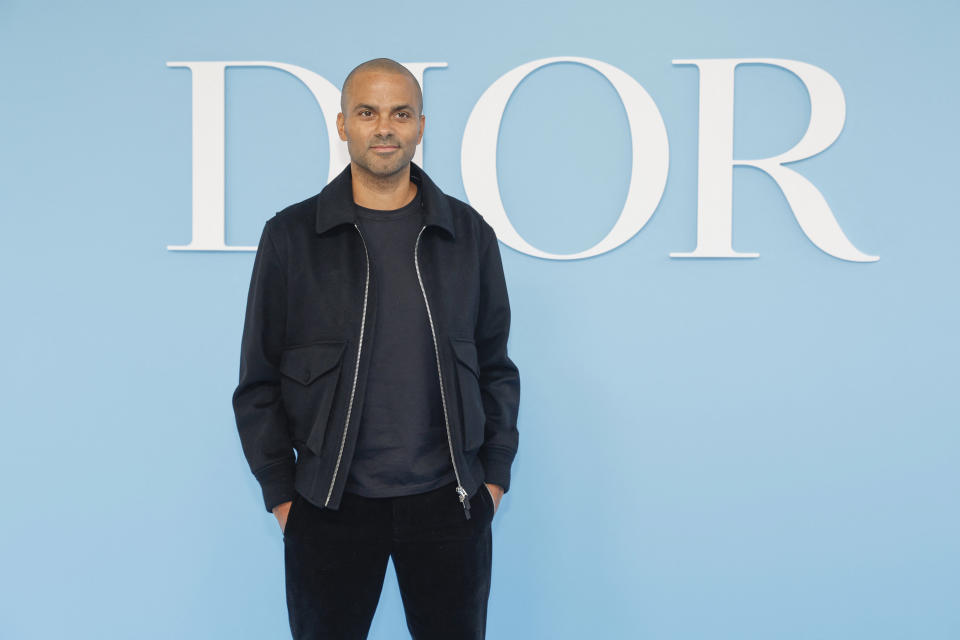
497	492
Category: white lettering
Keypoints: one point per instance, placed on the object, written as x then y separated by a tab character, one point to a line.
648	175
715	181
208	141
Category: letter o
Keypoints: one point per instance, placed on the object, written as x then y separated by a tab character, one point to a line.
648	174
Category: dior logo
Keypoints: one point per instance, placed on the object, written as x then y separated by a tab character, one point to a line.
650	154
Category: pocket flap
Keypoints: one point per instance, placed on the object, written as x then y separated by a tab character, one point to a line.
306	363
466	352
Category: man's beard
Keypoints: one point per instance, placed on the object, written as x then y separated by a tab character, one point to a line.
384	167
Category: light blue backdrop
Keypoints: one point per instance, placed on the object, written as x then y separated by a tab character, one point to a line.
710	449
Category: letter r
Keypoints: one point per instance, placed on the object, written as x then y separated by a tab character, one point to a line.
715	171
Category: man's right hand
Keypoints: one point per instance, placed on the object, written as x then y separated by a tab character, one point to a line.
281	511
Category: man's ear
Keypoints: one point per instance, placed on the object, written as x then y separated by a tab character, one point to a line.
422	121
342	127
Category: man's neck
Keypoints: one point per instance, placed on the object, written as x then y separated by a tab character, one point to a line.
383	193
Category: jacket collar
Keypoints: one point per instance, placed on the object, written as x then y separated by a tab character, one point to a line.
335	204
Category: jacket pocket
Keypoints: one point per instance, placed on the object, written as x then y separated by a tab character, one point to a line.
308	384
471	413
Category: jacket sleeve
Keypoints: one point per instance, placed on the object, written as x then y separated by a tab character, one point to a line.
261	419
499	376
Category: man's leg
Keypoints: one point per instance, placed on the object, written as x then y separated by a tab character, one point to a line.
443	563
335	562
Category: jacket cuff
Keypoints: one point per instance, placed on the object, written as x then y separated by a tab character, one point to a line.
496	467
276	482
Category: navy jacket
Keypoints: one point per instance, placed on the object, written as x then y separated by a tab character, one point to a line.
305	349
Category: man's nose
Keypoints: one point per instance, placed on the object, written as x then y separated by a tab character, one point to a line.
385	125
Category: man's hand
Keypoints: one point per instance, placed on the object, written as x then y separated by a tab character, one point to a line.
497	492
281	511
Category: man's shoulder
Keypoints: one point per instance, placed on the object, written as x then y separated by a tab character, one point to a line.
301	216
298	214
468	218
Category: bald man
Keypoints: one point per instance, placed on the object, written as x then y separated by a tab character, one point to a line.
375	345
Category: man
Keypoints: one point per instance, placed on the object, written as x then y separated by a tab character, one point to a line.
375	345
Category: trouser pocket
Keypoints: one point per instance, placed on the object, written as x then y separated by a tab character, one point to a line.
291	513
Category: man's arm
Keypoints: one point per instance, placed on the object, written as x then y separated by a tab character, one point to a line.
499	377
261	419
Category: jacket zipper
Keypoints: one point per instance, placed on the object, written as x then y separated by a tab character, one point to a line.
356	369
461	493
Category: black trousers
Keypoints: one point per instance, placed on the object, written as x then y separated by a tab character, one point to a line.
335	562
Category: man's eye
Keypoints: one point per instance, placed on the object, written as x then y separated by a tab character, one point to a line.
365	112
403	114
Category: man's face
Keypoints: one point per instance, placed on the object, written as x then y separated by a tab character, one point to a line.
382	124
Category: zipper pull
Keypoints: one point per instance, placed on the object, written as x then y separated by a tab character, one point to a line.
463	500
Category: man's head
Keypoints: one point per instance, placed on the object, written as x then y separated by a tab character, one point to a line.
380	116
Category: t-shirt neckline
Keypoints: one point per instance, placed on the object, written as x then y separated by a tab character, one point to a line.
391	214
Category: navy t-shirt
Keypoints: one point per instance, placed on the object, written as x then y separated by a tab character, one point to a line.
402	445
